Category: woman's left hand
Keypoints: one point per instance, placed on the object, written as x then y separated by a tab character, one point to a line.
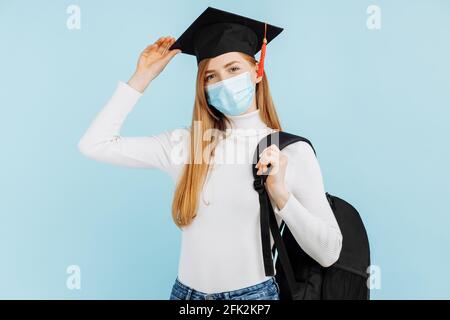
275	182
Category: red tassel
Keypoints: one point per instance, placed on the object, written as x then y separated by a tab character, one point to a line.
263	54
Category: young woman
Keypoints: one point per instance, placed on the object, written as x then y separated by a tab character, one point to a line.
214	203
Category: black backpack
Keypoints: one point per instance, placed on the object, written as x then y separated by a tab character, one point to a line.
298	275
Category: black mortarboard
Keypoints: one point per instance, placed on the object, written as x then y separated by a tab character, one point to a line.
216	32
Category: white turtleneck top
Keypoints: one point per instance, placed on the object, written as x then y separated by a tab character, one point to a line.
221	248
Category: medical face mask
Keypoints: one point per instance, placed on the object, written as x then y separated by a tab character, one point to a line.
232	96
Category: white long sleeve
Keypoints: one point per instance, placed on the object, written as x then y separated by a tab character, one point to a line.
102	140
221	249
307	212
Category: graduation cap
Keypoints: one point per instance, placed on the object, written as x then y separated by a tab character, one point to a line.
216	32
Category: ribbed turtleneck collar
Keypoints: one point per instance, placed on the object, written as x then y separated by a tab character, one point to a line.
250	120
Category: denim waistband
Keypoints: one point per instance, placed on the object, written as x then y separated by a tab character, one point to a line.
188	291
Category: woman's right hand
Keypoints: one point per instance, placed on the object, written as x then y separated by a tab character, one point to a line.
151	62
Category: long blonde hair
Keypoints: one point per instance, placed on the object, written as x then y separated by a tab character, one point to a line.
186	196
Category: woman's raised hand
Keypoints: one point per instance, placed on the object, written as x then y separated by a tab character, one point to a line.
151	62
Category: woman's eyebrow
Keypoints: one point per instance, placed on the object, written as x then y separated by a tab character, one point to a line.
228	64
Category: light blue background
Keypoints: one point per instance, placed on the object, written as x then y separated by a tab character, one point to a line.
374	103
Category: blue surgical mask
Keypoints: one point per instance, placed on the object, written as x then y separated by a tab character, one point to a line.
232	96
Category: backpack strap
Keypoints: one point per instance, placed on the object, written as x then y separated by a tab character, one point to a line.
267	217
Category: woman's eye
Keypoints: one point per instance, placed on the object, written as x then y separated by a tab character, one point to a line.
208	77
234	68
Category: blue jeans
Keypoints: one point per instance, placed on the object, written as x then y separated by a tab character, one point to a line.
266	290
